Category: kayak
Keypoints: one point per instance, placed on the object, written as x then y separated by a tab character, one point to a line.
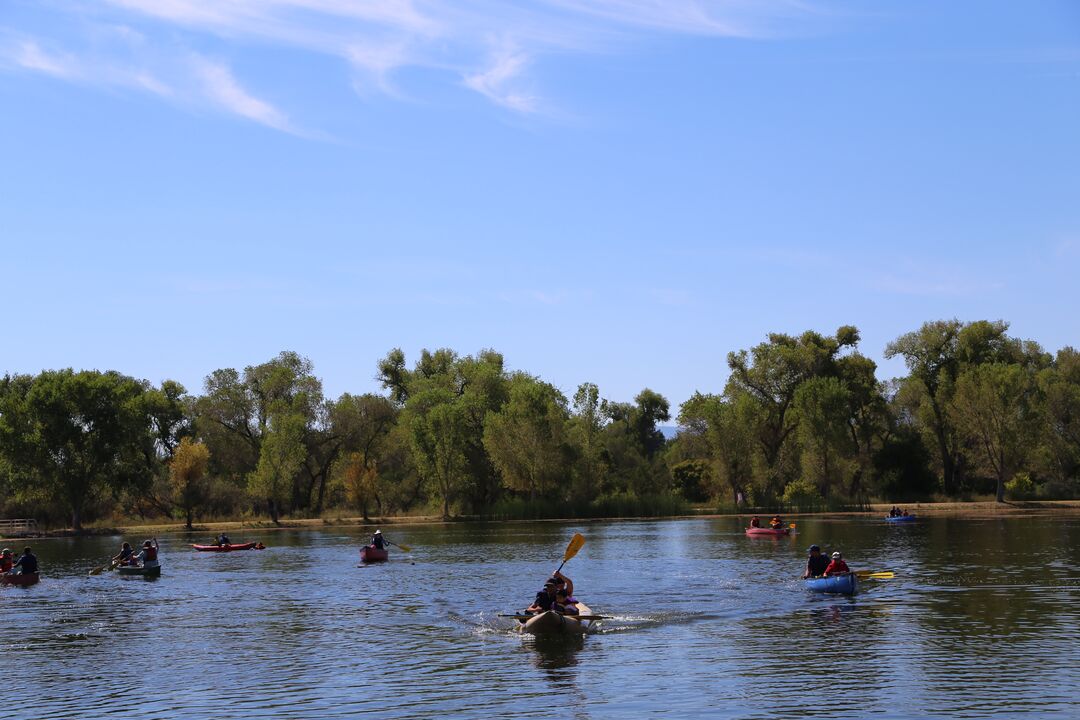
900	519
841	584
370	553
230	548
23	579
139	570
768	532
551	623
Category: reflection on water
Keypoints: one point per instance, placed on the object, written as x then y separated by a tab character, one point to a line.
705	622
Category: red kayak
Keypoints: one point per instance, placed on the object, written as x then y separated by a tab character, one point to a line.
21	579
768	532
370	553
230	548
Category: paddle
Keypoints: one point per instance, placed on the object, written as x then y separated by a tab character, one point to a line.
406	548
572	549
867	575
572	617
109	565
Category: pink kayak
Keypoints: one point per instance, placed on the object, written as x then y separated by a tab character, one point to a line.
370	553
767	532
230	548
21	579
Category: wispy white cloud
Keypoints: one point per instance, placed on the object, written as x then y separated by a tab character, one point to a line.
222	88
147	44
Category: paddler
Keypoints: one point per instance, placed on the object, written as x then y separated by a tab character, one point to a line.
377	541
563	583
148	556
755	522
545	599
564	604
7	560
837	566
124	556
223	539
815	563
776	523
27	563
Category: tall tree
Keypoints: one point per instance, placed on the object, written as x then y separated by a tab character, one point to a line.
996	410
187	477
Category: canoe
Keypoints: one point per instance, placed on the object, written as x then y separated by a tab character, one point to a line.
139	571
900	519
840	584
767	532
552	624
230	548
21	579
370	553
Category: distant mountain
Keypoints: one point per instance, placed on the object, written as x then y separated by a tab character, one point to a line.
670	431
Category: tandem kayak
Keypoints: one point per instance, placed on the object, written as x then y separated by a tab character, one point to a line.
139	571
767	532
551	623
370	553
22	579
840	584
230	548
900	518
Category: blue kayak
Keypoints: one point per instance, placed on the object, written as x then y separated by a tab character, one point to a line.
841	584
900	518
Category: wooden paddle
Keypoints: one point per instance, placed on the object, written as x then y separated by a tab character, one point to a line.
572	549
867	575
405	548
109	565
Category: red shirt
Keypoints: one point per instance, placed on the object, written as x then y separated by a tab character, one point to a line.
836	567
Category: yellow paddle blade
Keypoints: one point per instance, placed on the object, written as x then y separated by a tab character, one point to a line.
883	575
575	544
792	526
406	548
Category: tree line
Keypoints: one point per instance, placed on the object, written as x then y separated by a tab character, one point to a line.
803	422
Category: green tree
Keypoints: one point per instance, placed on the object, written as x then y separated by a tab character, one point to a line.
526	438
996	411
436	424
281	455
822	406
77	434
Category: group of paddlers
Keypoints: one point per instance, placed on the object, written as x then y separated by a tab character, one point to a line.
557	595
146	557
774	524
897	512
26	564
820	565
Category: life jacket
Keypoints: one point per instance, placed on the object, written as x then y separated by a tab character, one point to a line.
6	564
755	523
150	554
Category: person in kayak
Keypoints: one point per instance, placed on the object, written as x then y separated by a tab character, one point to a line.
816	563
377	541
7	560
563	583
837	566
755	522
124	556
776	523
564	604
148	556
223	539
545	599
27	563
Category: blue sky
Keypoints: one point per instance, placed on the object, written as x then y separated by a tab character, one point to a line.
612	191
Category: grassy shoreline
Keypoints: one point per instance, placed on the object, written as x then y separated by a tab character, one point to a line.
968	510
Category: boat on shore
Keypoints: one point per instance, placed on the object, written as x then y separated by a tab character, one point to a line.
835	584
767	532
552	624
20	579
139	571
370	553
899	518
231	547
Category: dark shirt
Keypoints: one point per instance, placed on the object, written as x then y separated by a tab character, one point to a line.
817	565
28	563
543	600
378	542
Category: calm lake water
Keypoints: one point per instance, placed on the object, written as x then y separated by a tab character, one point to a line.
981	621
